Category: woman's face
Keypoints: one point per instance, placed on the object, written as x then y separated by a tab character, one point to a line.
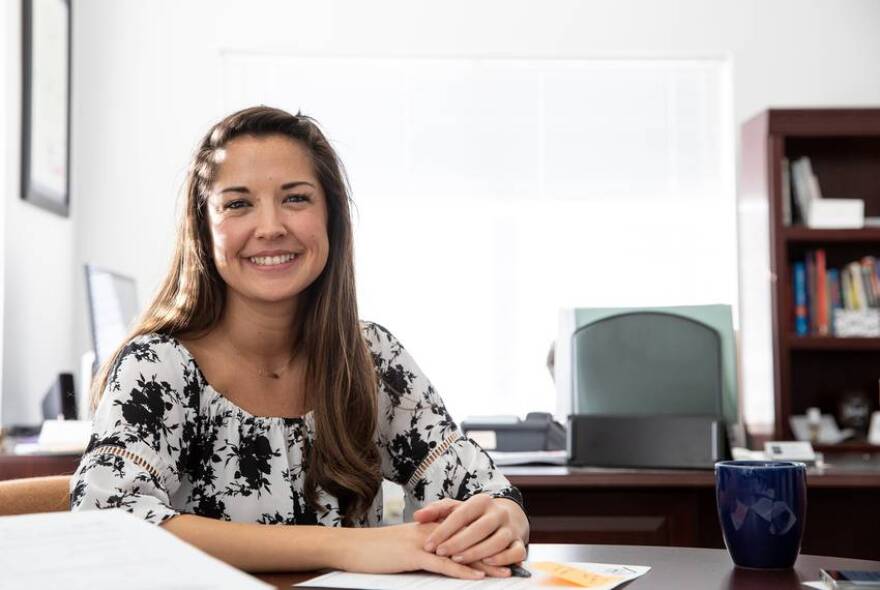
268	218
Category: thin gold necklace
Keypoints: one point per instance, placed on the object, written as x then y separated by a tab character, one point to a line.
267	373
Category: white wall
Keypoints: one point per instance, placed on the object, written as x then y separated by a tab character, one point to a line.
147	84
7	139
36	265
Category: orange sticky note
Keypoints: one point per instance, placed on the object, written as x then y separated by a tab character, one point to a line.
582	578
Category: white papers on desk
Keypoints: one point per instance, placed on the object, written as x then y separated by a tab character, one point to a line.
593	576
110	549
61	437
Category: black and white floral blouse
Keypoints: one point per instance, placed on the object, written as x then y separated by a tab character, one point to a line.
165	442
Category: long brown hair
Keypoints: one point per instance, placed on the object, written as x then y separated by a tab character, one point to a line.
340	376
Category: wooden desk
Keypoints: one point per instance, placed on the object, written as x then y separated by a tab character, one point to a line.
17	466
648	507
677	507
671	568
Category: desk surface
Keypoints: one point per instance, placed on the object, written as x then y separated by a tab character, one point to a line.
640	507
849	470
671	567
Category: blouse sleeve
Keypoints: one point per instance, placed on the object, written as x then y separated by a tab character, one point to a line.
420	445
132	460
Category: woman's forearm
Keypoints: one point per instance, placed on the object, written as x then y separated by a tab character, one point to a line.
263	548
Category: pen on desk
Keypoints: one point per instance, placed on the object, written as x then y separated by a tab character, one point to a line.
519	571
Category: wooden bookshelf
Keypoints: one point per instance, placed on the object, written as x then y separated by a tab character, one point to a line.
796	342
805	235
844	148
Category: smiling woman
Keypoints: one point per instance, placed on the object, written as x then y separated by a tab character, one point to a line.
268	220
250	394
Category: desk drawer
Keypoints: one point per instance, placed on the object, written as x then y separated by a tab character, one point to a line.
671	517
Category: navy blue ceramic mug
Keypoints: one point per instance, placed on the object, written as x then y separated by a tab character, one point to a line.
762	506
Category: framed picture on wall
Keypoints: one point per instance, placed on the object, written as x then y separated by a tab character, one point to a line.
45	122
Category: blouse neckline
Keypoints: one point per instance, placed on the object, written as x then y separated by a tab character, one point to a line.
287	420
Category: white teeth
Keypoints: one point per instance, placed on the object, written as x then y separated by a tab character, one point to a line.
270	260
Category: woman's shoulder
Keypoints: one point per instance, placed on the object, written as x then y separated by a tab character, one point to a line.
151	372
159	352
153	347
380	340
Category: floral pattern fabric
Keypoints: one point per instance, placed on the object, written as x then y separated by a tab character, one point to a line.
164	442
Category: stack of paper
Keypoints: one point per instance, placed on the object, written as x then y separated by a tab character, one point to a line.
109	549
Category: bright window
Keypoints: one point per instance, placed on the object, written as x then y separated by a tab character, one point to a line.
492	192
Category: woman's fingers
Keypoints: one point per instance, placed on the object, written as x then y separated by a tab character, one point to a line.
491	570
499	541
461	516
436	510
516	553
472	535
447	567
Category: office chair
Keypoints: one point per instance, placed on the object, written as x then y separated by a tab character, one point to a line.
34	494
652	387
640	363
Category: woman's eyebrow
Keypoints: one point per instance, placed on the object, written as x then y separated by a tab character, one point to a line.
284	187
295	184
235	189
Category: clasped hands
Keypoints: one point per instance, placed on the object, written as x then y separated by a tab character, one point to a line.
484	534
470	540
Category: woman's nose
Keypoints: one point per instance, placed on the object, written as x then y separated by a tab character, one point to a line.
269	224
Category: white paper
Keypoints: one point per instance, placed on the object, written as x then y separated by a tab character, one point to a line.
425	581
817	585
111	549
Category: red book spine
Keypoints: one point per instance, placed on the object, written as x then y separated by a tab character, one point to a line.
821	294
811	291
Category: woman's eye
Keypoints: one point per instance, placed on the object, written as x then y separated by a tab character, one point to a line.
237	204
296	199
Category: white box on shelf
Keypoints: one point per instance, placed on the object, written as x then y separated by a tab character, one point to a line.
836	214
863	323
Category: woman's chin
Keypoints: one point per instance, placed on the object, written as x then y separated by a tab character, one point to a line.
273	297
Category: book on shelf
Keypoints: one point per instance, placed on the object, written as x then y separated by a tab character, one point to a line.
834	291
788	209
811	291
836	301
822	311
802	193
801	317
803	188
860	296
869	273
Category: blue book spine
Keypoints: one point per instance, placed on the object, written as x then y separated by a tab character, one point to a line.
834	287
801	318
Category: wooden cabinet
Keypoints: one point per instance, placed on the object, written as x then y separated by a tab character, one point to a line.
19	466
677	508
844	148
674	508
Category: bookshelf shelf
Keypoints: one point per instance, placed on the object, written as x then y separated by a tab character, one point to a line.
806	235
848	447
843	146
796	342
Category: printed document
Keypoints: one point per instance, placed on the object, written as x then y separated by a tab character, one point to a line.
545	574
111	549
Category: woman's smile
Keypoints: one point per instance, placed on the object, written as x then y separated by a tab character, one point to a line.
272	262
